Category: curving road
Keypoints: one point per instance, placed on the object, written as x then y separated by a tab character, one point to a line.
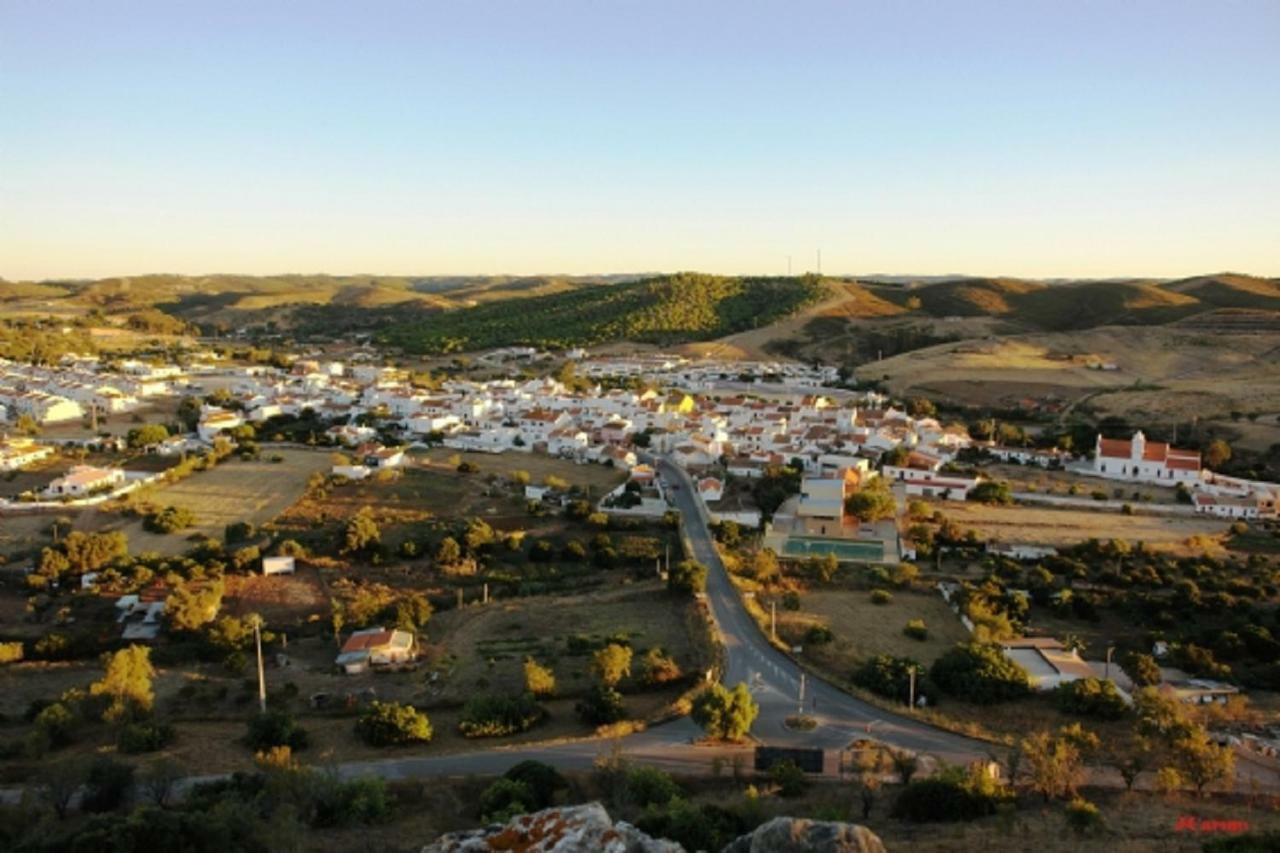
775	679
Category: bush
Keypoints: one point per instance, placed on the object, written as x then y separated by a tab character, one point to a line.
358	801
393	724
601	706
1091	697
107	785
169	519
658	667
1083	816
980	673
504	799
688	577
650	786
275	728
887	676
916	629
789	778
538	679
818	635
11	652
941	798
145	737
881	596
56	722
499	716
542	780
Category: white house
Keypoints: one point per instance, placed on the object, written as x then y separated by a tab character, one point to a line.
83	480
1230	507
947	488
212	423
710	489
17	453
1142	461
1047	661
277	566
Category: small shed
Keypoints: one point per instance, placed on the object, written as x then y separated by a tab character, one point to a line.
277	566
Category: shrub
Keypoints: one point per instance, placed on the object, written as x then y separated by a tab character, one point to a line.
789	778
881	596
393	724
538	679
650	786
916	629
499	716
887	676
601	706
170	519
791	600
658	667
106	787
1091	697
275	728
980	673
818	635
11	652
611	663
1083	816
504	799
687	577
56	722
542	780
145	737
337	803
943	798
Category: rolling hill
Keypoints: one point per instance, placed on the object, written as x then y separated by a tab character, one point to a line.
662	310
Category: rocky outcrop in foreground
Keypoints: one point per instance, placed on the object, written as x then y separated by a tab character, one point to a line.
797	835
571	829
589	829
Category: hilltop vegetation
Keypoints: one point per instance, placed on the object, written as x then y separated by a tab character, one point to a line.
661	310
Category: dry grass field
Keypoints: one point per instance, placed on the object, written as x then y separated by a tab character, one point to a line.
255	491
598	478
863	629
1053	527
1198	373
1031	478
479	648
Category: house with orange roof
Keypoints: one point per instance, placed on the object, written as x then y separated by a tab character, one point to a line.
376	647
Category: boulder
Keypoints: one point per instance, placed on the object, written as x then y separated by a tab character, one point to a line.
570	829
797	835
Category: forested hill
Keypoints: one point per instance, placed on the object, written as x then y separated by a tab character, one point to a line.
663	310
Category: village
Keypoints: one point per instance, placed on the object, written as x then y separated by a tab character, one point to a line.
265	467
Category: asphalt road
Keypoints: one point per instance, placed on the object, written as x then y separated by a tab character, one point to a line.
774	678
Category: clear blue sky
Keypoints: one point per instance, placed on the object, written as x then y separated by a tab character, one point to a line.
1018	138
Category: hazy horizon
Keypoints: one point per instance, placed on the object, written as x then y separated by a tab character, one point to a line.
1085	140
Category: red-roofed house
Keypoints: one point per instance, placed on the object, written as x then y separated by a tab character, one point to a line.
1139	460
376	647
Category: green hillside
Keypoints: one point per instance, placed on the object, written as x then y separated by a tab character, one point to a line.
663	310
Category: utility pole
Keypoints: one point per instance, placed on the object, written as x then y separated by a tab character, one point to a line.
1107	670
819	262
773	620
262	675
912	690
801	706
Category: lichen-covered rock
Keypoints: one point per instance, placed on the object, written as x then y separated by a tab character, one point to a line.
795	835
571	829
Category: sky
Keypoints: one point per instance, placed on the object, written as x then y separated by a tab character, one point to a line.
1043	139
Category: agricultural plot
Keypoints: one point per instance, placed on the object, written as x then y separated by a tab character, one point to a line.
597	479
1056	527
255	491
484	647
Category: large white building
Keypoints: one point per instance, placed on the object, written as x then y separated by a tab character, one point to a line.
1142	461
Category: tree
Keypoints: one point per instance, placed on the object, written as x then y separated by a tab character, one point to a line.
126	685
146	435
169	520
872	502
611	664
361	533
921	407
658	667
992	492
393	724
449	553
189	412
1202	762
27	425
601	706
725	714
688	577
275	728
980	673
1142	669
1091	697
538	679
192	605
1057	761
1217	453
